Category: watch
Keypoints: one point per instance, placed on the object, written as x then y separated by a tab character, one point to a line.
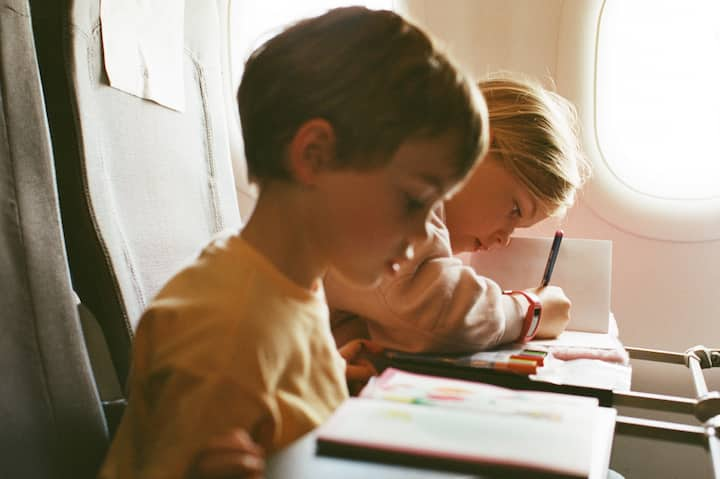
532	316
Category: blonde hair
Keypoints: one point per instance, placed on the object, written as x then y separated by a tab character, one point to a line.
534	134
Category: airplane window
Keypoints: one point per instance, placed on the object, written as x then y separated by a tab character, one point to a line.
253	22
656	105
643	76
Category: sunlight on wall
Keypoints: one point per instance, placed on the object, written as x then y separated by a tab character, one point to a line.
253	22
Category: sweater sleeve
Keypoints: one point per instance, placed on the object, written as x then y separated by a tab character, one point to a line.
434	303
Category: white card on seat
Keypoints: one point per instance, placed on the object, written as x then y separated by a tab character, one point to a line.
143	48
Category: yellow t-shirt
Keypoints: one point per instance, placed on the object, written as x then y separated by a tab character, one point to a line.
228	342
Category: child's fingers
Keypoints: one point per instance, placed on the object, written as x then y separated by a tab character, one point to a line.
354	348
228	464
237	440
360	372
357	376
351	349
372	347
228	455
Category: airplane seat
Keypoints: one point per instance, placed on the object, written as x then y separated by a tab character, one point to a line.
51	420
142	186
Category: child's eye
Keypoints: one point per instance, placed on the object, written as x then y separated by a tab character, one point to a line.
413	204
515	212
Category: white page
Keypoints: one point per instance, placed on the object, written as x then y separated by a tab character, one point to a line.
580	339
582	270
564	444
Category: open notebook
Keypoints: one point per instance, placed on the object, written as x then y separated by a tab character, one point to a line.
458	425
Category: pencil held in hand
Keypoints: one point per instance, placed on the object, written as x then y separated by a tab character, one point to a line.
554	250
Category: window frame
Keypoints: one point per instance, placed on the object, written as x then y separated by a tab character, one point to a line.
607	195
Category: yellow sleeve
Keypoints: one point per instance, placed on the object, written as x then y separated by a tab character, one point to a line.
188	411
185	389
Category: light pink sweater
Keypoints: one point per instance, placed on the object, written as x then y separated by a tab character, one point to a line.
434	303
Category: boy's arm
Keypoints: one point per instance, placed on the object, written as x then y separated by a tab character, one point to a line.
210	413
184	399
166	435
434	303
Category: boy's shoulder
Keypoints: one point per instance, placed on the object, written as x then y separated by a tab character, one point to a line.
210	281
228	276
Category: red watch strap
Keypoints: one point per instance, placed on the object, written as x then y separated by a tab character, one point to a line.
532	316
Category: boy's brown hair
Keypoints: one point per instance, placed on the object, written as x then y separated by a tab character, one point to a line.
535	136
377	79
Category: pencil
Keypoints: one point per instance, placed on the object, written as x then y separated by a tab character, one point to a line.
554	250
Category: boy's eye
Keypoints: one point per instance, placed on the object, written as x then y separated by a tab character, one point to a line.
515	212
413	204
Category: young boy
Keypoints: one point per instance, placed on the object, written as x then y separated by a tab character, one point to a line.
435	303
355	126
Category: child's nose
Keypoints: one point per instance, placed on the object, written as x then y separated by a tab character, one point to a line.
500	240
409	253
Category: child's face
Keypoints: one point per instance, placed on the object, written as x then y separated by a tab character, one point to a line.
491	204
374	218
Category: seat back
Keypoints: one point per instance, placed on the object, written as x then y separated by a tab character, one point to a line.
142	186
51	420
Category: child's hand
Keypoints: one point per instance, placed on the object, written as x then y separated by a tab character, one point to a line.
359	368
232	454
555	311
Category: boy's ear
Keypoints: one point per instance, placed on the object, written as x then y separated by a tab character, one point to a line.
311	150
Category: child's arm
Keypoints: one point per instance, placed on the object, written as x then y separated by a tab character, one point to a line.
230	454
441	305
435	303
186	402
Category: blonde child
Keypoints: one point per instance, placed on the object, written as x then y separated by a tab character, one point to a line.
355	126
435	303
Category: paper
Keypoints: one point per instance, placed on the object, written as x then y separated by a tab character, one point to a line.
582	270
580	339
143	48
581	359
587	372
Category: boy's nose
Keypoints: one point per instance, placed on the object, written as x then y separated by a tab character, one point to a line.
409	252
